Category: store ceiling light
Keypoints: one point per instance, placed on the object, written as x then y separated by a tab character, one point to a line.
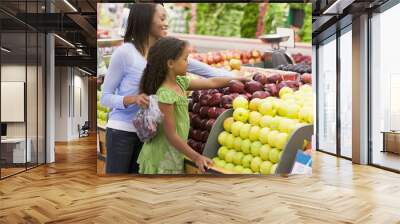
86	72
5	50
70	5
64	40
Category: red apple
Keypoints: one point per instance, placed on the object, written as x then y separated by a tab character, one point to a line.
204	111
197	122
196	108
217	58
203	124
293	84
215	99
204	136
212	112
196	95
274	78
260	78
281	85
204	99
245	61
190	105
226	91
236	86
234	95
212	91
248	96
271	88
260	94
229	55
253	86
306	78
236	55
209	124
226	101
220	111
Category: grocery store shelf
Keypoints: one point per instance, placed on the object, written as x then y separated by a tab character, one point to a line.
211	43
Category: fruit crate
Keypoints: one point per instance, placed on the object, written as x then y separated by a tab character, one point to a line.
286	163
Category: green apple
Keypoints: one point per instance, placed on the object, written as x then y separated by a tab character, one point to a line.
292	111
274	155
281	140
228	123
229	155
240	102
305	88
265	121
216	159
235	128
246	145
253	105
255	148
274	124
229	141
254	117
221	163
272	138
241	114
265	167
246	161
237	144
238	169
229	166
222	137
263	135
237	158
222	152
285	90
264	152
245	130
283	109
254	133
267	108
247	171
273	168
284	124
255	164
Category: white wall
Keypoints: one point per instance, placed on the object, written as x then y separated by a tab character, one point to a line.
69	85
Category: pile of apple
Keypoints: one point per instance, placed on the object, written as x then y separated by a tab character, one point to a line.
101	111
254	138
204	108
230	60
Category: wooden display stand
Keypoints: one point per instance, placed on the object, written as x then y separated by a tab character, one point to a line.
101	152
286	162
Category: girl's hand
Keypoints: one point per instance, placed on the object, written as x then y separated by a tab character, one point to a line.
203	163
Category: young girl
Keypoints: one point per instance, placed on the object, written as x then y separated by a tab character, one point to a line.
164	76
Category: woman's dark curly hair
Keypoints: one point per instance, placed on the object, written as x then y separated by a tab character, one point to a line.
167	48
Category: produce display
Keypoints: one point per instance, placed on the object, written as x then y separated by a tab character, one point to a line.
206	105
102	112
230	60
255	136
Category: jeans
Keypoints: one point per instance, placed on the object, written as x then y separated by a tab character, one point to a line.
123	149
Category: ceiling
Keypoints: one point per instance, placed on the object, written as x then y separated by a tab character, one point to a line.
329	13
72	20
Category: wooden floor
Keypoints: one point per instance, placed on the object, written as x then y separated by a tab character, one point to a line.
69	191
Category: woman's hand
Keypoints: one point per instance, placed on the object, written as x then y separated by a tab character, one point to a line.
141	100
203	163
